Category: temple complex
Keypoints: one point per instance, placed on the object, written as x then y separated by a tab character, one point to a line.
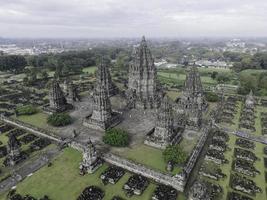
143	90
193	102
91	162
57	100
102	116
164	133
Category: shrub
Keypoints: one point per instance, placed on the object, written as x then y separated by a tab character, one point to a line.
26	110
59	119
116	137
211	97
174	154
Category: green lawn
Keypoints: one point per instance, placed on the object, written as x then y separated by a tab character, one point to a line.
173	94
175	78
148	156
38	119
62	181
89	70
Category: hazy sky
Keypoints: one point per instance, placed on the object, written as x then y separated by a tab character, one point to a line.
132	18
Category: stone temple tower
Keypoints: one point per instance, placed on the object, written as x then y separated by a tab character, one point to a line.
57	100
164	133
193	101
104	76
102	116
91	162
13	148
142	85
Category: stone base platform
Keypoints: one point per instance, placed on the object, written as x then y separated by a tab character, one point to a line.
103	125
92	168
156	142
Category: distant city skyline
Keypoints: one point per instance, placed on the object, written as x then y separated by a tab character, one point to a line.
132	18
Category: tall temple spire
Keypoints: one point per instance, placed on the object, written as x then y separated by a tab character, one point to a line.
192	101
102	116
142	83
57	100
103	77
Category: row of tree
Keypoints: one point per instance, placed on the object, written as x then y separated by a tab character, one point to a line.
62	63
257	61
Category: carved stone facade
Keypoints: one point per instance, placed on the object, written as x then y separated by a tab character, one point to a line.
143	90
192	101
102	116
250	101
13	149
57	100
164	132
198	191
91	162
71	92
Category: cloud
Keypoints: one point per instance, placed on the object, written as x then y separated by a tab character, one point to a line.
128	18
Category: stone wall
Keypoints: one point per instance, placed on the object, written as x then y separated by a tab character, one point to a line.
30	128
136	168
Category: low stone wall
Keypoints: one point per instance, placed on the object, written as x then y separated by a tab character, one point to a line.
30	128
159	177
196	152
242	134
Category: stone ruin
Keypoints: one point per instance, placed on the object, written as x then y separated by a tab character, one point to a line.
102	116
57	100
143	90
164	133
71	92
14	155
192	101
198	192
91	161
247	119
204	190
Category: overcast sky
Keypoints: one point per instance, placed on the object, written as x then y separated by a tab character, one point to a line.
132	18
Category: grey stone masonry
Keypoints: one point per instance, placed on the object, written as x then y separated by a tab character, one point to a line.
164	133
102	116
57	100
192	101
91	162
143	90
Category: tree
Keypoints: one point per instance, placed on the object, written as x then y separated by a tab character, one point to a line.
116	137
44	75
211	97
59	119
26	110
214	75
174	154
222	78
12	63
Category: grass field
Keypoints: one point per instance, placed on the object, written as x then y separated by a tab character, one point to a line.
89	70
176	78
38	119
62	181
148	156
